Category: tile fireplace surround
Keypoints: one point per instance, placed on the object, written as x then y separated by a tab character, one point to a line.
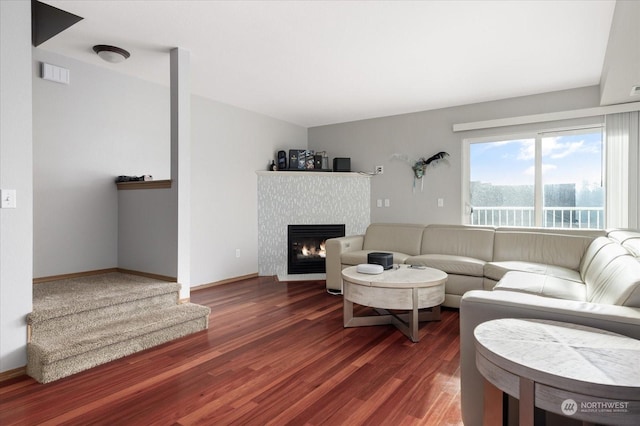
306	198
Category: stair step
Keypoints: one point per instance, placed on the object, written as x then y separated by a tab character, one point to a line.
80	321
75	295
52	348
52	357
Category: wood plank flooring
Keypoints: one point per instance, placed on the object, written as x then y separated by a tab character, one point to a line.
275	354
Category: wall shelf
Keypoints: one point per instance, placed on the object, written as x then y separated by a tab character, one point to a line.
310	173
148	184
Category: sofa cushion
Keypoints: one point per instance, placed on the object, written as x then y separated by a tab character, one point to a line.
457	285
542	285
497	270
633	245
599	254
459	265
361	256
546	249
630	240
467	241
622	235
393	237
592	251
618	283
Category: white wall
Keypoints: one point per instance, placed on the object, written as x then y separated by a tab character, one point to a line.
106	124
102	125
15	173
147	231
228	145
422	134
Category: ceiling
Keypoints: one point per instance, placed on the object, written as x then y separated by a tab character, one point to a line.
321	62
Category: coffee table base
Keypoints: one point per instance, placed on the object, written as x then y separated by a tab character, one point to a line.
408	323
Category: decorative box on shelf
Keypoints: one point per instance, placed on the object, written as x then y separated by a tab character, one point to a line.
308	160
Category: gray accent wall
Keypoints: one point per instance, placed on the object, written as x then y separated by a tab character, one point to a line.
377	141
621	69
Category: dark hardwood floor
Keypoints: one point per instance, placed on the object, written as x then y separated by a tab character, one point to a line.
275	353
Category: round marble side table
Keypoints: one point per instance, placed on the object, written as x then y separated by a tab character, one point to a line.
579	372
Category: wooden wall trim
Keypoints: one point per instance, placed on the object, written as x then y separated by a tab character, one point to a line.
73	275
102	271
227	281
148	184
148	275
10	374
142	274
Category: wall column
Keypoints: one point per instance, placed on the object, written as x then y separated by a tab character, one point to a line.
181	161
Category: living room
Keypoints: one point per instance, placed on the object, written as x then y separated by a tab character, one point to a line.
62	146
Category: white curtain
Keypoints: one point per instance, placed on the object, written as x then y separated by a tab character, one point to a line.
622	176
634	172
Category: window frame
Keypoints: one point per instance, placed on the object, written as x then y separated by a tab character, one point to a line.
537	136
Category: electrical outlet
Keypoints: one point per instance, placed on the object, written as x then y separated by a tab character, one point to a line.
379	170
8	197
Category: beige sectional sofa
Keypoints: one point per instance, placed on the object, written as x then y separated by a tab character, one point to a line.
475	258
583	277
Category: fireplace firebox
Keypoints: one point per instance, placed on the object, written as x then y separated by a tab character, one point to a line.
306	251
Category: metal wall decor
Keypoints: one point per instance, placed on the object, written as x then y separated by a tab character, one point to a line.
419	167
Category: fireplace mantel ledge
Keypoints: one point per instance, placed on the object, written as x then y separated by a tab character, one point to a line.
310	173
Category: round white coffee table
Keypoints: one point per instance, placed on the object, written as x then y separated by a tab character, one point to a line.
581	372
401	288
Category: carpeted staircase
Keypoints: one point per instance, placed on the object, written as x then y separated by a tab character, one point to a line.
79	323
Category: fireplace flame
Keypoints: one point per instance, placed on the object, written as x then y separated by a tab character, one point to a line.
314	251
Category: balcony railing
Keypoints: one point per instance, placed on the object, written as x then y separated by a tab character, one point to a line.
553	217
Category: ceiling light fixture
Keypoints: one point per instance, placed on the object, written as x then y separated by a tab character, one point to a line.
111	54
635	90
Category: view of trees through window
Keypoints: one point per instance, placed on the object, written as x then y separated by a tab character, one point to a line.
550	180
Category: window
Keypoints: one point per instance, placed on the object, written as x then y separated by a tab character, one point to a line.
549	179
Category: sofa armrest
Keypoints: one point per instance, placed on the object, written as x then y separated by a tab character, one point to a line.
478	306
334	248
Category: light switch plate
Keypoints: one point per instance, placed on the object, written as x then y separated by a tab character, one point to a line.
55	73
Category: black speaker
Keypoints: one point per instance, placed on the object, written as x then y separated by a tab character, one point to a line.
379	258
342	164
282	160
